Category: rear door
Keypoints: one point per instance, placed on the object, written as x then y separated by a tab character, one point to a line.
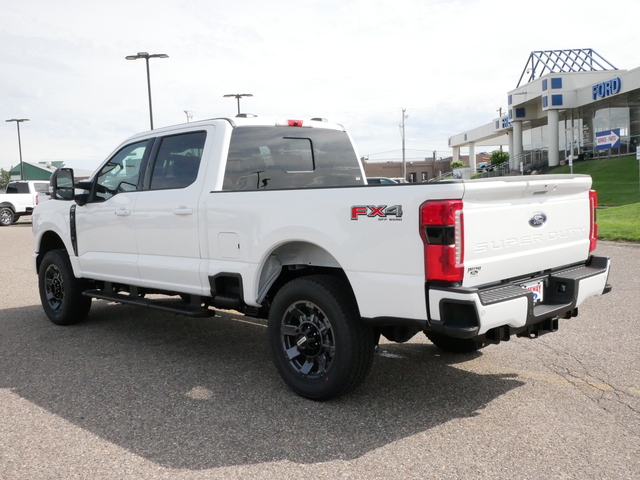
166	214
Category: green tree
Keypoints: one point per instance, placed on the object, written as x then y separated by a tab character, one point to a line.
458	164
498	157
5	177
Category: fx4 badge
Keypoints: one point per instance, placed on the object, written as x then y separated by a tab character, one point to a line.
382	212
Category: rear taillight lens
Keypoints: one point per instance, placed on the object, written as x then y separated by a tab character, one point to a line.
442	231
593	231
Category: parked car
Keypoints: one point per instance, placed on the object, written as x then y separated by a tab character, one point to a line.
20	199
381	181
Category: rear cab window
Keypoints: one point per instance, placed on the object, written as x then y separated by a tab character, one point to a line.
273	158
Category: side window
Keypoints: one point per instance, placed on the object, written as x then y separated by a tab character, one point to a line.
178	161
121	173
41	187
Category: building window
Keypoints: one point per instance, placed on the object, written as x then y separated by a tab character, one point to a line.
544	84
545	101
510	99
497	124
556	83
412	177
556	100
520	113
425	176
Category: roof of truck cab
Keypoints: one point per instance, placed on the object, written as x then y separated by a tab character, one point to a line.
248	121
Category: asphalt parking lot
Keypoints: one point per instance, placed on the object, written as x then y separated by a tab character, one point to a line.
134	393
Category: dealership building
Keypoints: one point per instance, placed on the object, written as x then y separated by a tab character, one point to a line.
568	104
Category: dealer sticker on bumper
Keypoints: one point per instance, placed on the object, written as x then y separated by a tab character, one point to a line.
537	288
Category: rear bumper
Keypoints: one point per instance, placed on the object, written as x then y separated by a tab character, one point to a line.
497	312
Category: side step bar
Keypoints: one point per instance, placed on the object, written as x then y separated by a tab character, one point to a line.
168	305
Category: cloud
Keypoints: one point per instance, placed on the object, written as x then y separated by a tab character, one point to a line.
449	63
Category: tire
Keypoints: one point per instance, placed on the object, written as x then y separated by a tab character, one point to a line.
7	217
60	291
319	345
454	345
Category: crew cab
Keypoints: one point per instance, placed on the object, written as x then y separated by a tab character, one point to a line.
20	199
274	218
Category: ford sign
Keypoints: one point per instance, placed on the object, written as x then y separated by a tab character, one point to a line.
538	219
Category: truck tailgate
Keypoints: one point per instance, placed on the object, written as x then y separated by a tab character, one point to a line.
515	227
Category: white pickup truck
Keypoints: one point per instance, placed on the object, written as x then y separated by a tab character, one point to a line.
20	199
274	218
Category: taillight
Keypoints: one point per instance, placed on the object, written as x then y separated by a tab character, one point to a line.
593	231
442	230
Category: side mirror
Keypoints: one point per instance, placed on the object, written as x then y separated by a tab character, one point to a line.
82	198
61	184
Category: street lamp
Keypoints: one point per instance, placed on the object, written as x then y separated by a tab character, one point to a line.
238	96
18	121
147	56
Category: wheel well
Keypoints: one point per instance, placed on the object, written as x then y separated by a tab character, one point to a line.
49	241
9	205
292	260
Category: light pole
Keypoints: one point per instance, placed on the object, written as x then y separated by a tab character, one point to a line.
18	121
238	96
147	56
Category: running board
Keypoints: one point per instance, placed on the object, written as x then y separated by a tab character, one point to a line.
168	305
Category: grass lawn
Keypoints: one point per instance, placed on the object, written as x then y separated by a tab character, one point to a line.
615	179
617	184
619	223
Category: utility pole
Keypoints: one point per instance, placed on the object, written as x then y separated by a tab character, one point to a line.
146	57
18	121
238	96
404	160
189	115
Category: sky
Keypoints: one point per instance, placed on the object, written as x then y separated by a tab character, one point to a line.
449	63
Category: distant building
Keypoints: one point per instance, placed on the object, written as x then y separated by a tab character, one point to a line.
43	171
35	171
418	170
568	105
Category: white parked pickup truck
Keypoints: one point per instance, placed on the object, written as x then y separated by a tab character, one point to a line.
274	218
20	199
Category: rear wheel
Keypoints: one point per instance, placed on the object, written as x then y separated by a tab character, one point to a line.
60	291
319	345
7	217
454	345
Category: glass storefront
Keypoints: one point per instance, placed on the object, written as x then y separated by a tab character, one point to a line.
577	128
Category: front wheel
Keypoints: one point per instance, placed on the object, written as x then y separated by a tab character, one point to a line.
319	345
7	217
60	291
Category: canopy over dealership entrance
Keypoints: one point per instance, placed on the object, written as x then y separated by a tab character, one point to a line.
567	104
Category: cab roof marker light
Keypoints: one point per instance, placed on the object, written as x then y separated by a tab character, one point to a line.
292	123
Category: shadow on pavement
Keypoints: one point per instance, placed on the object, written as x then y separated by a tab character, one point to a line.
202	393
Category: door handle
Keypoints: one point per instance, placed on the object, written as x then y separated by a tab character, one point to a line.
125	212
183	211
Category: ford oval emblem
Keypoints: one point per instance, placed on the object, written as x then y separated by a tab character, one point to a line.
538	219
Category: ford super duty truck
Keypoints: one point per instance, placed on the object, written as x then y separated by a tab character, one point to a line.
20	199
274	218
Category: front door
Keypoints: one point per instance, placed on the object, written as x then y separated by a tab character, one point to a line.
105	225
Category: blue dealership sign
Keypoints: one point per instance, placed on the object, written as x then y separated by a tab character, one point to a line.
608	139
